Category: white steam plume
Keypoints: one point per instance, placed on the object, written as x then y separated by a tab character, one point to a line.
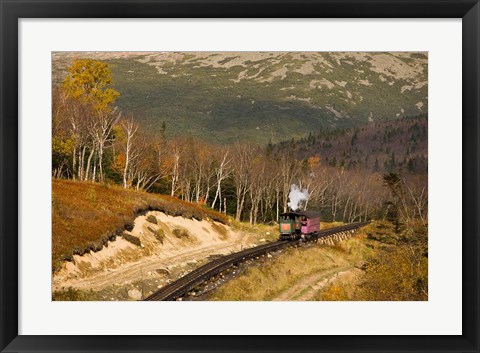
297	197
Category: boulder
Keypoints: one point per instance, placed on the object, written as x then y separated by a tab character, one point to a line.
163	271
134	294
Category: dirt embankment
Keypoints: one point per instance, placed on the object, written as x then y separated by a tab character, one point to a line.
158	249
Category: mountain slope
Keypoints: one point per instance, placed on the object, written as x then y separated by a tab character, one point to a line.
262	96
390	146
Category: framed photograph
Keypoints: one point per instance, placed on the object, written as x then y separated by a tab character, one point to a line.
235	176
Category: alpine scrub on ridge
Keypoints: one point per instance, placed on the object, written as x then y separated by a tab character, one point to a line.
263	97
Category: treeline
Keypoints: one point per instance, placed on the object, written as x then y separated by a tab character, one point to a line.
390	146
94	141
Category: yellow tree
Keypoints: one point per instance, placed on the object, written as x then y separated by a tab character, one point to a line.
88	82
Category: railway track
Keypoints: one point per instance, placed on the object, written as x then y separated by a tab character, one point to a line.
188	282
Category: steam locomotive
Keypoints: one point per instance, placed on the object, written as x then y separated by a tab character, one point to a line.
299	225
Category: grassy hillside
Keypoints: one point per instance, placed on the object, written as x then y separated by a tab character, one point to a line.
267	281
394	267
262	97
86	215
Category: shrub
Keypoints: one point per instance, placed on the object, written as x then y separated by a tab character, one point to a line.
382	231
132	239
335	292
71	294
180	233
401	274
159	234
152	219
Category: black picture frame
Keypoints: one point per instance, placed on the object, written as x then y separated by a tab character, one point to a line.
12	11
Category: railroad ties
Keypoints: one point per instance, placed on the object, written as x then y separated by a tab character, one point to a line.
337	237
183	285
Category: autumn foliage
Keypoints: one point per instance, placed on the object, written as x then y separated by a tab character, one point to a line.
88	82
94	141
397	269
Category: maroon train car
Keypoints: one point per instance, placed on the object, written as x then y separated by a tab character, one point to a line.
295	225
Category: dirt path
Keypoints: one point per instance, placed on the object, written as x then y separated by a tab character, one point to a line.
307	287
